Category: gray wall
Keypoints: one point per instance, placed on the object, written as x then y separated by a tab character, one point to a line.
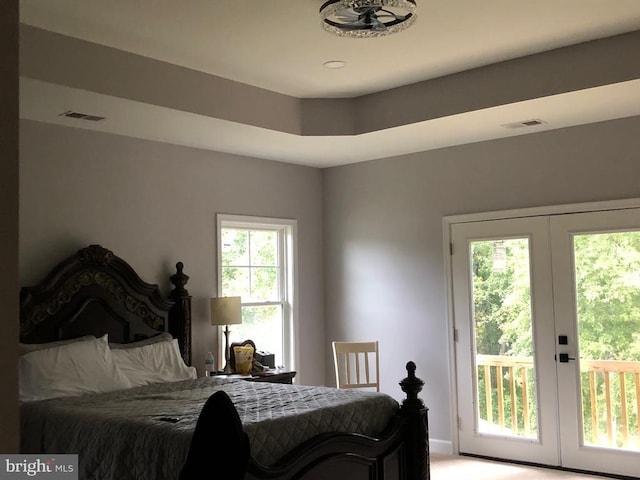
9	226
381	222
154	204
384	260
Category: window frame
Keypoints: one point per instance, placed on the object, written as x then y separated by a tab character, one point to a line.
287	250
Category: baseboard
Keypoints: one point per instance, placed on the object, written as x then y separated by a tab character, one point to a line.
444	447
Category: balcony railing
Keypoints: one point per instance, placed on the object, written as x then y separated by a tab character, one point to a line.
610	399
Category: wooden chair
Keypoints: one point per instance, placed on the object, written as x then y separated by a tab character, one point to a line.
353	363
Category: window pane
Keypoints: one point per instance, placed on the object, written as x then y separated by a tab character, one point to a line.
235	282
264	284
506	376
263	325
235	247
264	248
607	273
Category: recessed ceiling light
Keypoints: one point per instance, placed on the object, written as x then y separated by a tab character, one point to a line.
334	64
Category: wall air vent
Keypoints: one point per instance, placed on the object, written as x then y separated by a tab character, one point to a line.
526	123
82	116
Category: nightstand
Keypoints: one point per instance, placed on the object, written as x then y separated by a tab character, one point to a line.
273	377
268	376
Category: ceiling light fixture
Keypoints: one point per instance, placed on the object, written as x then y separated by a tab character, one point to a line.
367	18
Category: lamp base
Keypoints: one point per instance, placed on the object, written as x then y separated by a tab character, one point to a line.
228	369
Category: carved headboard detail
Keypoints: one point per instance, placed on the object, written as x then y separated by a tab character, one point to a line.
94	292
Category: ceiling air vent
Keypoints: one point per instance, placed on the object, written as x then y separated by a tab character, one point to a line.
526	123
82	116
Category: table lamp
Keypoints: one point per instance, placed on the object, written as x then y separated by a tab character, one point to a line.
226	311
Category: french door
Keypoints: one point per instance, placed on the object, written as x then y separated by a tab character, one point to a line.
547	320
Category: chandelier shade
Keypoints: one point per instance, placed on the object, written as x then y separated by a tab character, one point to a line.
367	18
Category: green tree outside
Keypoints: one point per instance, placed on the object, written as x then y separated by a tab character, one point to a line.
607	289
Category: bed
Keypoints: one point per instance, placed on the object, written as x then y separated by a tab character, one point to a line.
141	412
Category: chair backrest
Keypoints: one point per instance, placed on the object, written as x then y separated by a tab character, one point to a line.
356	364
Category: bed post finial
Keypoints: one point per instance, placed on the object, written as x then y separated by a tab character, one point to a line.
180	314
414	410
412	385
179	280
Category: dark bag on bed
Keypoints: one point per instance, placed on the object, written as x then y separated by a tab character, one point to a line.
219	447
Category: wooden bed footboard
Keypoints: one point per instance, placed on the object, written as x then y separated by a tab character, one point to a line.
401	452
340	456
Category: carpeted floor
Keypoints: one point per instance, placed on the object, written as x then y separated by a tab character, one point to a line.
449	467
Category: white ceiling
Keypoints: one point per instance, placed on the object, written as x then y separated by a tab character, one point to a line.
279	45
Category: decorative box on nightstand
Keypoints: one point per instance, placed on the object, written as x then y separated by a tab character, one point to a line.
266	359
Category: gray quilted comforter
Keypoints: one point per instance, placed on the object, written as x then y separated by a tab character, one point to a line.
126	435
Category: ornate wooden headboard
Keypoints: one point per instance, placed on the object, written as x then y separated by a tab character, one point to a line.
94	292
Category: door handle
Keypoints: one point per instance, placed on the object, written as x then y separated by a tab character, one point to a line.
564	358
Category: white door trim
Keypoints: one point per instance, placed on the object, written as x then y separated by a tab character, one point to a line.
541	446
447	221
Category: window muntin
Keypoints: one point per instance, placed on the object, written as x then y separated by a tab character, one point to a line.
256	262
252	264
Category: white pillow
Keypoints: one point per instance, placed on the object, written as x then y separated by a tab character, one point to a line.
154	363
161	337
70	370
32	347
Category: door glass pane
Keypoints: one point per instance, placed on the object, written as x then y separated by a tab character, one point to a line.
607	275
505	374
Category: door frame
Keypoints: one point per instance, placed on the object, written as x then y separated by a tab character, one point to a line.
447	221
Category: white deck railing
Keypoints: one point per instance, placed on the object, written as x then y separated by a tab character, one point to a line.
613	398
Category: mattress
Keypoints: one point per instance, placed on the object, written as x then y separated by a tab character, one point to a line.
145	432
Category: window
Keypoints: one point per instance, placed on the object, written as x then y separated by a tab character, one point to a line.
256	261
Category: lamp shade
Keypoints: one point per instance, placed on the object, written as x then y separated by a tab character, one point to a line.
226	311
